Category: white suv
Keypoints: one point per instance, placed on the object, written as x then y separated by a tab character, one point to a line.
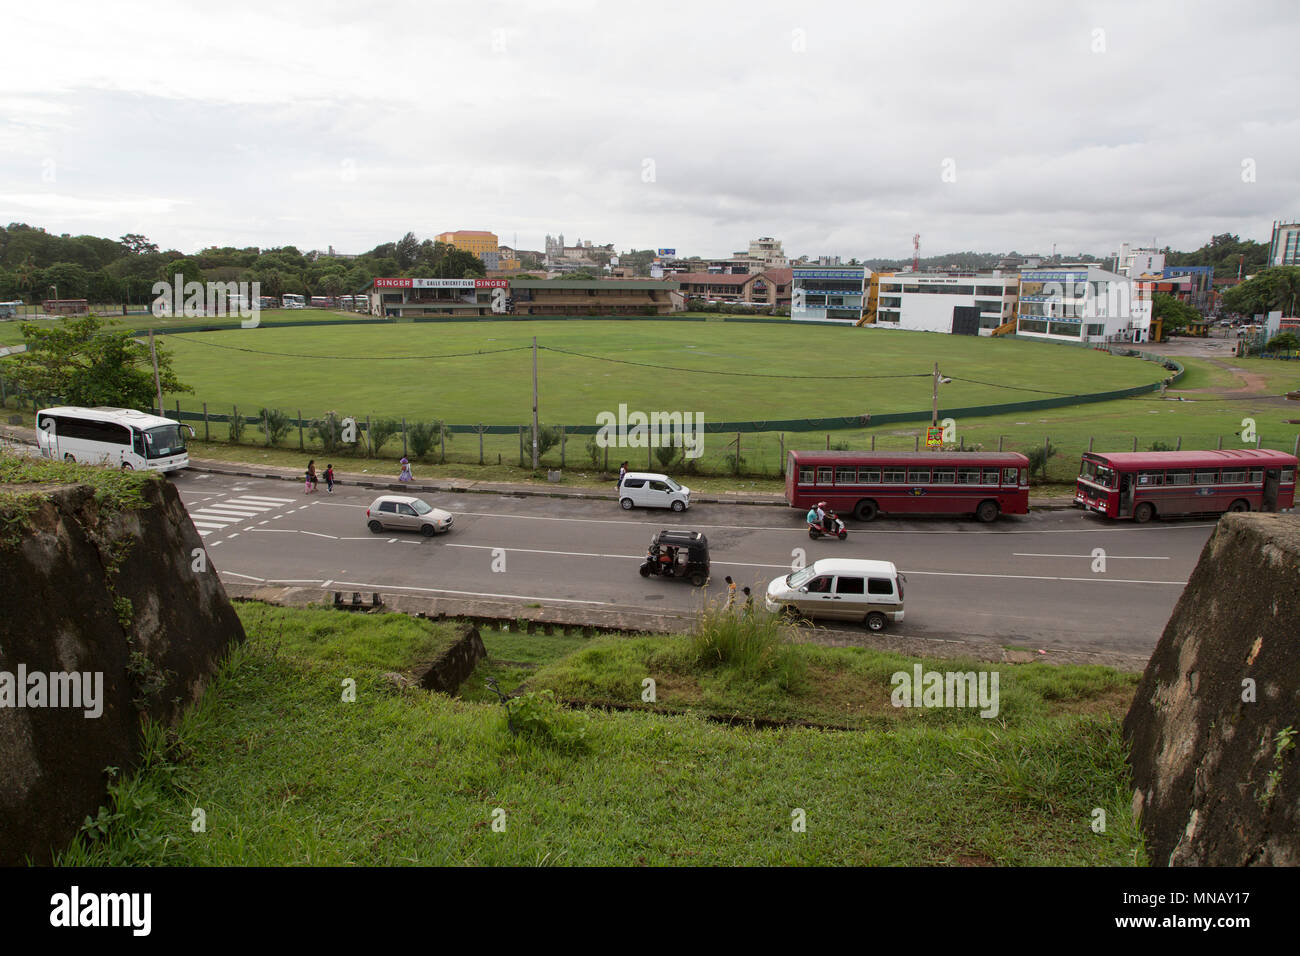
645	489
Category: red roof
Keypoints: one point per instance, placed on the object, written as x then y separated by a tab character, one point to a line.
1191	459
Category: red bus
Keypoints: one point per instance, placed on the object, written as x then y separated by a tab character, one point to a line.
1142	485
867	483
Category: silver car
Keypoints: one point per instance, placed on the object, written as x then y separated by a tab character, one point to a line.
404	513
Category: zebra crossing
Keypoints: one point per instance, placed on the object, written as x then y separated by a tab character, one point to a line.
221	515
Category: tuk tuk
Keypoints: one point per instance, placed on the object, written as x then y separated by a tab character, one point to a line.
678	554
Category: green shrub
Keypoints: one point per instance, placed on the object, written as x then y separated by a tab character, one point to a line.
539	717
380	432
275	424
750	644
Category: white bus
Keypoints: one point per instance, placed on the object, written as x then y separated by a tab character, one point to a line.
117	437
291	300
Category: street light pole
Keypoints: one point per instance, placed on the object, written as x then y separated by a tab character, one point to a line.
934	400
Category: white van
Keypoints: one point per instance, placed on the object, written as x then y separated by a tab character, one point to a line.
645	489
843	589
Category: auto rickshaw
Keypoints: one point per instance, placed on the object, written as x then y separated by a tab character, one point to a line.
678	554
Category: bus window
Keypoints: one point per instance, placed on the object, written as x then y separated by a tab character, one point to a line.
1288	476
1233	478
1256	476
990	476
1180	477
970	476
805	476
1151	478
1206	477
1024	476
1009	476
918	476
824	476
869	476
137	442
894	476
945	476
846	476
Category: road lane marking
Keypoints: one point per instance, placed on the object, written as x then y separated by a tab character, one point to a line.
1041	577
733	564
1109	557
800	529
273	501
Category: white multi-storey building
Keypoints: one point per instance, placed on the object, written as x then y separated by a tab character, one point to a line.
828	293
972	303
1081	302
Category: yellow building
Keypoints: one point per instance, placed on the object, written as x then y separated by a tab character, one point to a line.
480	243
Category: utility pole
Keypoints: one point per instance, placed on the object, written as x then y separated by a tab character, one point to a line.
153	354
934	401
534	403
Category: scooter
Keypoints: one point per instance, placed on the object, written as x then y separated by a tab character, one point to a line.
833	528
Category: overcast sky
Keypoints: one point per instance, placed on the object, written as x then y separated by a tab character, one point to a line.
837	128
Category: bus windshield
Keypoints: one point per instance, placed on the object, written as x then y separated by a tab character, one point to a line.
164	440
1098	473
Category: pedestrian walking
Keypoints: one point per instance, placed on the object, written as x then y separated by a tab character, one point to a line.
622	473
311	477
406	471
329	479
731	594
749	602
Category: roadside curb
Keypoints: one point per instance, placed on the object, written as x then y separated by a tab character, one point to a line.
524	617
518	489
514	488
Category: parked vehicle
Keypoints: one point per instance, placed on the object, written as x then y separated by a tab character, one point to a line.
405	513
868	483
844	589
1148	484
644	489
678	554
118	437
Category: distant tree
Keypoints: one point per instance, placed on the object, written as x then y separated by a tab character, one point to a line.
1272	289
408	248
276	424
71	279
1283	342
1175	313
137	244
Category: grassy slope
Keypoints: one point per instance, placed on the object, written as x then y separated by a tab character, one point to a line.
286	773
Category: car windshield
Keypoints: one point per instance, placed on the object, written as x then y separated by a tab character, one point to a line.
800	578
673	485
421	508
164	440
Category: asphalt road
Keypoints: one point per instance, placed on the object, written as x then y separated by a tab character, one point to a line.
1026	581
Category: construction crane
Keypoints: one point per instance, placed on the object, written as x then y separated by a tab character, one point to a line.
916	252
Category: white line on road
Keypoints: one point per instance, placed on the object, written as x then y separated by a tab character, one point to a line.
803	530
1109	557
731	564
273	501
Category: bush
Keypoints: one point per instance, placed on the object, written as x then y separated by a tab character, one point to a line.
1161	446
594	451
667	454
328	431
539	717
380	432
750	645
422	436
236	427
1283	342
275	424
548	437
1038	458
